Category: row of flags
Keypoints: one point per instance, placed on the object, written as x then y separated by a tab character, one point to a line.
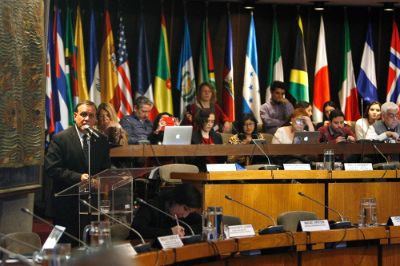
109	77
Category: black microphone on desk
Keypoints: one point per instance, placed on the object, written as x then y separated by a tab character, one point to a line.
91	131
165	213
269	166
139	248
16	256
27	211
274	229
336	225
386	165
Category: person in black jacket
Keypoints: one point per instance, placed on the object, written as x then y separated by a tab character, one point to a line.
184	201
66	163
205	134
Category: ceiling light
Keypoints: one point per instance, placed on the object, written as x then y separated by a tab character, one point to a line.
388	6
319	5
249	4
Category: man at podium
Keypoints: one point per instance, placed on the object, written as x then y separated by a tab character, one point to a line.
66	163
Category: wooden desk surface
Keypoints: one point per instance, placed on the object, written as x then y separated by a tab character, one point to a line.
272	241
250	149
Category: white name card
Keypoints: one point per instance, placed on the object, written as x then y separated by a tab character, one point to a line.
314	225
53	238
172	241
126	249
221	167
296	166
358	166
395	220
241	230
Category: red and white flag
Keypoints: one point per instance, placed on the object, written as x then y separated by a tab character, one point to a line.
321	79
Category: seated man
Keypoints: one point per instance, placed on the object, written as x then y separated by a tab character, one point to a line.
277	110
387	129
183	202
336	131
137	125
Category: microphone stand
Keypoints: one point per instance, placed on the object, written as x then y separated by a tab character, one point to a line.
89	173
336	225
269	166
18	257
139	248
274	229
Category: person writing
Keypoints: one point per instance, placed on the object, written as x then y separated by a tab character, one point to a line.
66	163
336	131
182	202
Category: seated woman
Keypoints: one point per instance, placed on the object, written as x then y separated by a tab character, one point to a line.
298	121
372	113
107	123
183	201
247	132
206	100
161	120
328	107
205	134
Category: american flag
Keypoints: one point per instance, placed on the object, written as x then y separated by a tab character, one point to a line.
124	89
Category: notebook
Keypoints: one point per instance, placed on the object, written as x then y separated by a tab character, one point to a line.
306	137
177	135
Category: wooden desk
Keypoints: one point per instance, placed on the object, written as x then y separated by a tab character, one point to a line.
250	149
274	192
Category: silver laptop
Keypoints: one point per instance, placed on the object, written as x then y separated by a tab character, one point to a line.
306	137
177	135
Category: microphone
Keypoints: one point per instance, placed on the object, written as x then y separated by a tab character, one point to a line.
335	225
91	131
139	248
163	212
269	166
386	165
18	257
272	229
27	211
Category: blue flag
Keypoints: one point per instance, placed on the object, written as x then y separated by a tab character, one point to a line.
186	78
94	74
251	87
366	82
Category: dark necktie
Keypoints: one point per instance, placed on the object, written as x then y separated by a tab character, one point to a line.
85	146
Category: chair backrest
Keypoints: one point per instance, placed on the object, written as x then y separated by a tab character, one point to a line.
166	170
268	137
231	220
119	233
14	242
290	220
225	137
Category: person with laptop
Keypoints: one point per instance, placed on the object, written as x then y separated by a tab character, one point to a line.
160	122
205	134
299	119
336	131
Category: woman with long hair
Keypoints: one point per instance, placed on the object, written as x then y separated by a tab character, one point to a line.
372	113
107	123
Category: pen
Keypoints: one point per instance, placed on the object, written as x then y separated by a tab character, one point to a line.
177	221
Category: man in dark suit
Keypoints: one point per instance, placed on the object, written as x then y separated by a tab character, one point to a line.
66	164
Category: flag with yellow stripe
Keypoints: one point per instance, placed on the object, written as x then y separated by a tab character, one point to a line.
162	83
298	86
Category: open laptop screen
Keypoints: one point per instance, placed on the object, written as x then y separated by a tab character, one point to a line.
177	135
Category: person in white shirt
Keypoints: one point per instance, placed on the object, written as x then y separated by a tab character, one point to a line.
387	129
372	113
